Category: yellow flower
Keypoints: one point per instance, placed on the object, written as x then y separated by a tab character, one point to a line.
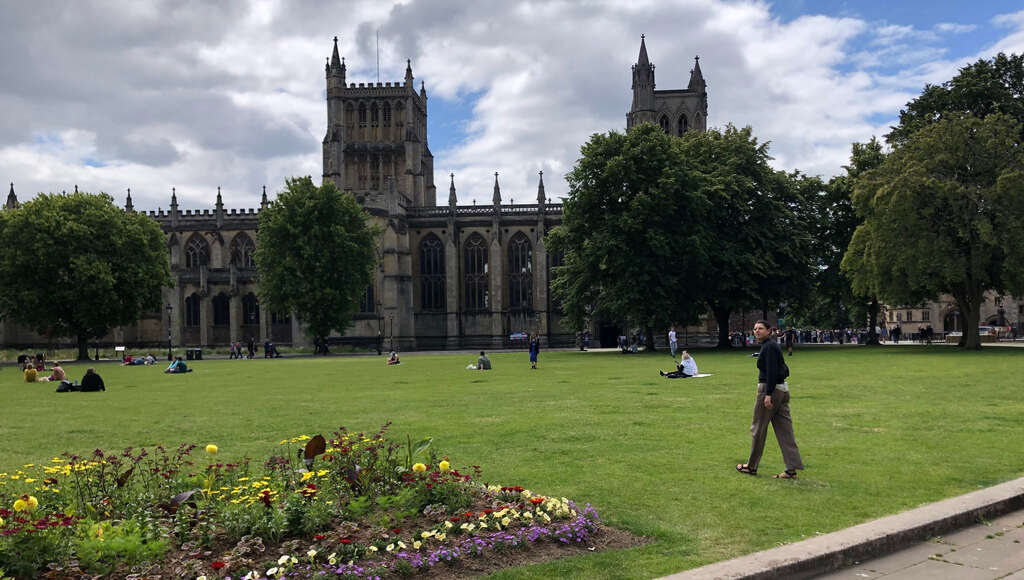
211	449
307	475
415	544
441	537
444	465
419	468
373	548
1	522
26	503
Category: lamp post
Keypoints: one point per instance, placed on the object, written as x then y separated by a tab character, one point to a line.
391	333
170	356
380	330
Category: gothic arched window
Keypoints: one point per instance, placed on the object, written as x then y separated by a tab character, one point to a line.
387	114
350	115
362	114
192	303
432	274
221	310
366	304
374	115
250	309
242	250
197	252
476	277
682	124
520	273
663	121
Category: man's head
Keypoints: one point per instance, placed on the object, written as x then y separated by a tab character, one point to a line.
761	330
481	353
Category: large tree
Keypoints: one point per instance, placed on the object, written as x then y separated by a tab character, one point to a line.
315	255
942	214
759	256
978	90
77	265
834	303
633	233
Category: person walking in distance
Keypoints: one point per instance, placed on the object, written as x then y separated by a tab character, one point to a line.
771	406
673	343
534	350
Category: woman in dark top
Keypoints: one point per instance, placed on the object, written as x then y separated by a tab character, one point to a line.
771	406
92	381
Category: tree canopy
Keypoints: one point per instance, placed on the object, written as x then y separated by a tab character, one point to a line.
77	265
978	90
942	213
755	225
632	237
315	255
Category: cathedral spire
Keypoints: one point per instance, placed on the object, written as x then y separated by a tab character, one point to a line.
496	199
263	201
128	207
696	77
12	200
335	59
408	73
423	90
642	60
174	200
540	190
452	200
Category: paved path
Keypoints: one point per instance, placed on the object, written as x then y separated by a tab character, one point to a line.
902	546
986	551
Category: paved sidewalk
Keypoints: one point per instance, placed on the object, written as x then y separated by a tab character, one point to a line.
985	551
904	542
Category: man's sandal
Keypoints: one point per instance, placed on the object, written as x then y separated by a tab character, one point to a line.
744	468
786	475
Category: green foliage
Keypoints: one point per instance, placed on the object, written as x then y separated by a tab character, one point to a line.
760	250
100	546
834	304
76	265
315	255
632	235
240	520
980	89
942	214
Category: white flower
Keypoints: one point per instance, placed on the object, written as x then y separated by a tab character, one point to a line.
417	544
311	553
272	571
401	545
293	560
372	548
448	525
391	547
282	560
200	577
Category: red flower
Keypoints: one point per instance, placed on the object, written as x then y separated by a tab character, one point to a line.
488	512
319	537
217	565
468	514
346	541
536	500
396	530
453	519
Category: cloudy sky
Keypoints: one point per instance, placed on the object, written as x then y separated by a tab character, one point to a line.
198	95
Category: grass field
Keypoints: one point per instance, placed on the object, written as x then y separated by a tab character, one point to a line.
881	430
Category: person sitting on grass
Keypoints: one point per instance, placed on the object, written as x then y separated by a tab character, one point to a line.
57	374
92	381
686	368
483	363
393	359
127	360
177	367
31	374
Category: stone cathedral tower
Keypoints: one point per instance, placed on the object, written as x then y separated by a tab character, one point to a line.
675	110
376	139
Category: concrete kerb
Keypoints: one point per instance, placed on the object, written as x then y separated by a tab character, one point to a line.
836	550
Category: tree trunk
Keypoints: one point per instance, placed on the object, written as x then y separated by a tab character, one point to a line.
722	317
649	339
83	347
972	314
873	308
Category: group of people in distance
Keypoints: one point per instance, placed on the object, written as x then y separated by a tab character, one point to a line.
249	352
130	360
33	369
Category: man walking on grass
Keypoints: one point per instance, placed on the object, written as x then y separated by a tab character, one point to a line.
771	406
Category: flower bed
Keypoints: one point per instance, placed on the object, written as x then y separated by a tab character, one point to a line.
352	505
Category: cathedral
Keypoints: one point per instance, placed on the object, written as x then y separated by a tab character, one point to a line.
448	276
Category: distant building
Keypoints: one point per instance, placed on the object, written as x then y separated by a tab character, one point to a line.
451	276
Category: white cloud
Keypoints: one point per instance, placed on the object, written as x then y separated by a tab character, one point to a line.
142	97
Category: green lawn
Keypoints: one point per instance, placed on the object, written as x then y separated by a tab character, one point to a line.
881	430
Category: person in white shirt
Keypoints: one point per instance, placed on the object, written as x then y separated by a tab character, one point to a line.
687	368
672	342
